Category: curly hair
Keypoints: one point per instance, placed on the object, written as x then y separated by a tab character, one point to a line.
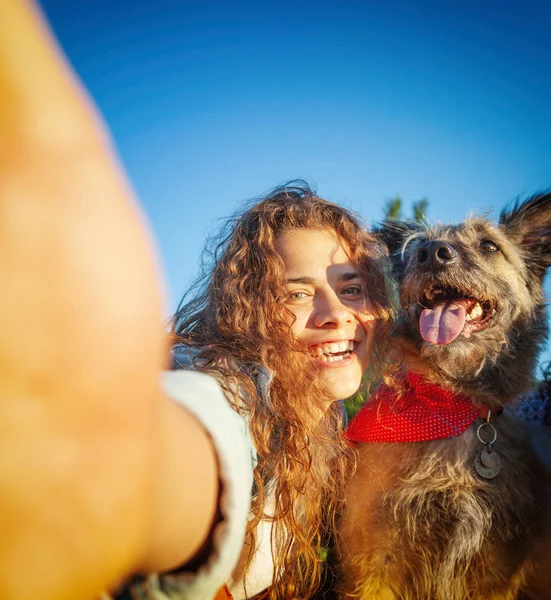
236	318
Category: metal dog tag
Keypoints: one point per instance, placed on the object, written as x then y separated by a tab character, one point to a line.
487	464
490	459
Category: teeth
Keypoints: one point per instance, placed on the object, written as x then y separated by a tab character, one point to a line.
335	347
325	358
325	351
476	311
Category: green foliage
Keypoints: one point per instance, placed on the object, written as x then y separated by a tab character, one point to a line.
370	381
323	553
393	209
420	209
353	404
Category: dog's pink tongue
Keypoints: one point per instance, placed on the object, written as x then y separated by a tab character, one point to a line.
443	323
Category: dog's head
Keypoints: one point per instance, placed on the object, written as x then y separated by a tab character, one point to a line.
471	295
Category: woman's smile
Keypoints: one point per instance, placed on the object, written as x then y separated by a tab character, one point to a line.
334	353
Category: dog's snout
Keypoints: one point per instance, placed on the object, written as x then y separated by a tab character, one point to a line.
435	254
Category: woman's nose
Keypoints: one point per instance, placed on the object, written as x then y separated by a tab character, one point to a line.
330	312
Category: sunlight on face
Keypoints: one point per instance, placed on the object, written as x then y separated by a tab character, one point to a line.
329	301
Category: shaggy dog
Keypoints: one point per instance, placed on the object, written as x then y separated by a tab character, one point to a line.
449	500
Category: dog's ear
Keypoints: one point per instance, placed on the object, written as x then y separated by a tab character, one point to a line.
394	233
528	224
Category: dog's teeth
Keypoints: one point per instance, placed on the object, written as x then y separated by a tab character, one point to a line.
476	311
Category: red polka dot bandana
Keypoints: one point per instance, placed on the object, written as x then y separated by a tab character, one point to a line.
423	412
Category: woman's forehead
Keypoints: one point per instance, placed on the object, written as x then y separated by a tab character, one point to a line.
307	251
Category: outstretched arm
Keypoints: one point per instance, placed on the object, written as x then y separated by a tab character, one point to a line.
88	445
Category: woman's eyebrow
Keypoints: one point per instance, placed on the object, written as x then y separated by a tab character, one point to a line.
305	280
349	276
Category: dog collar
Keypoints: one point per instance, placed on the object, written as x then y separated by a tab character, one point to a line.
422	412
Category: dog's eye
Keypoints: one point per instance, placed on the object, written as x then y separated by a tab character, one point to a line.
488	246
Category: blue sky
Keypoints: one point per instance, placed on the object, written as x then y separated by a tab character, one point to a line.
211	103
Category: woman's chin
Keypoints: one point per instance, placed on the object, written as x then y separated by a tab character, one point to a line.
341	383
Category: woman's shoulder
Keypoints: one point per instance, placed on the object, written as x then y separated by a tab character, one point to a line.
190	358
201	395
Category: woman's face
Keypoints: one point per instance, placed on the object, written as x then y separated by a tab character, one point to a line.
330	304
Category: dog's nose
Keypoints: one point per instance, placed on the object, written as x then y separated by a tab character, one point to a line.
435	255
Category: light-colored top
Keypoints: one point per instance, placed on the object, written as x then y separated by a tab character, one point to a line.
201	395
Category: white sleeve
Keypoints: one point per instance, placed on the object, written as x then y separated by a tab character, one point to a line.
201	395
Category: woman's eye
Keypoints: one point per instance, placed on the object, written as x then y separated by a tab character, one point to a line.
488	246
352	290
296	296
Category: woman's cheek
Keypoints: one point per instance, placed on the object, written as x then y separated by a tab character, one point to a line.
367	319
297	326
300	327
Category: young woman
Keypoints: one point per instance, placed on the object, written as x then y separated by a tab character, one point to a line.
104	473
285	320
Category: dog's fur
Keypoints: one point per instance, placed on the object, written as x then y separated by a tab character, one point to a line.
419	523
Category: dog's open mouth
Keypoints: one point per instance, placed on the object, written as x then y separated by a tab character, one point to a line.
447	313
